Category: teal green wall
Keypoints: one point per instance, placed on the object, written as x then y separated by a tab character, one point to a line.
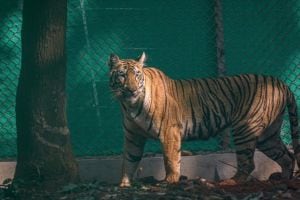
178	37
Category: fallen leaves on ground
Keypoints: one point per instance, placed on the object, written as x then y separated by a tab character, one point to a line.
149	188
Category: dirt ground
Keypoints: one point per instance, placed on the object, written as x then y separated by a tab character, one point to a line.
149	188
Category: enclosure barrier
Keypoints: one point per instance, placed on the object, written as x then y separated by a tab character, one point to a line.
182	38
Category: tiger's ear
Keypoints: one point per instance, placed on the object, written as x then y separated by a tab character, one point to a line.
113	60
142	58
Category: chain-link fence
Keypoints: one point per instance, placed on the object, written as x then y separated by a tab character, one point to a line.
179	37
10	61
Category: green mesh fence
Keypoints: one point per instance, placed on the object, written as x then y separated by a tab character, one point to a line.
10	61
179	37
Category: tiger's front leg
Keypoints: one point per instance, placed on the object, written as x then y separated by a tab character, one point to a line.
133	152
171	143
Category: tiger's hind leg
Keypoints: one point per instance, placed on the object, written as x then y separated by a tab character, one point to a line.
244	139
272	146
245	162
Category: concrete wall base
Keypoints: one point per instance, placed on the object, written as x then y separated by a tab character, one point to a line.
209	166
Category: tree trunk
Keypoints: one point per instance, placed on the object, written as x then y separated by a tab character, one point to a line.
225	135
43	137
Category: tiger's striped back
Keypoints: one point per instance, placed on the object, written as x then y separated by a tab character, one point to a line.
208	106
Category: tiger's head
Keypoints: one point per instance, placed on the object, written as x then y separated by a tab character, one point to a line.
126	78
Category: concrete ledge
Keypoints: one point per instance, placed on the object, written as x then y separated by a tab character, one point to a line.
7	170
208	166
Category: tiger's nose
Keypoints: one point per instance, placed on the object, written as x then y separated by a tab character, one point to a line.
120	80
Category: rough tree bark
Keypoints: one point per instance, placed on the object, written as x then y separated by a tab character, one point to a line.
43	137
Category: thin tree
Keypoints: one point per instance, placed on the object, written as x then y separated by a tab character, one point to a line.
221	67
219	37
43	137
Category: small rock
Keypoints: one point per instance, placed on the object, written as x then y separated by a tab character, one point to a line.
254	196
209	185
183	178
280	187
186	153
144	188
160	193
109	196
287	195
148	180
214	197
230	197
202	180
275	176
280	192
189	187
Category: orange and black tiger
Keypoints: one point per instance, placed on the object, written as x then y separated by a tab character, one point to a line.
156	106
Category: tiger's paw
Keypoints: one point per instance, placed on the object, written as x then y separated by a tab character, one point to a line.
125	183
173	178
228	182
297	174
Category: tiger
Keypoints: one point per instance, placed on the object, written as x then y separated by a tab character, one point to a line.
155	106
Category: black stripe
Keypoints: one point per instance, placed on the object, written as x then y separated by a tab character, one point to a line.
211	94
199	97
193	117
227	83
245	141
227	98
123	106
182	88
151	122
243	95
251	99
133	142
247	151
273	100
221	106
127	129
232	79
165	104
132	158
278	155
186	133
176	88
243	137
141	106
207	120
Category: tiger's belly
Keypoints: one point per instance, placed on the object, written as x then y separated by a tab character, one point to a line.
200	129
194	123
192	129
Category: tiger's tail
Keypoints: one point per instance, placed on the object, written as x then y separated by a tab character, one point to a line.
293	118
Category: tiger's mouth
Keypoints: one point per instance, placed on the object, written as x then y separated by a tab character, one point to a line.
125	93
